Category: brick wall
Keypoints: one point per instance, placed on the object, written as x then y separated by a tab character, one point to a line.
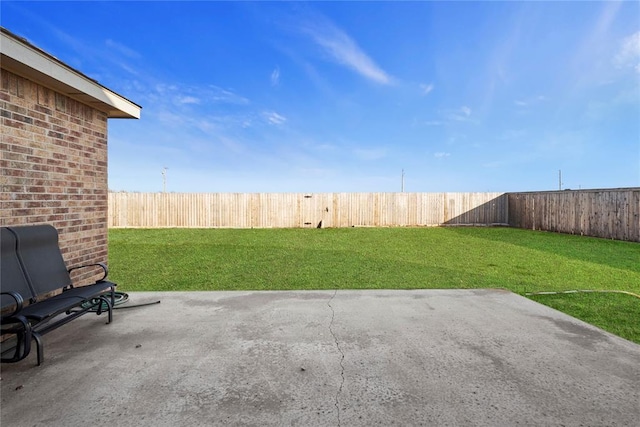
53	167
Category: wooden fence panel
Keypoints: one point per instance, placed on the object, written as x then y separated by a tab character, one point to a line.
611	213
286	210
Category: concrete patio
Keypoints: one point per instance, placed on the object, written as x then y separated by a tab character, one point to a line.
345	358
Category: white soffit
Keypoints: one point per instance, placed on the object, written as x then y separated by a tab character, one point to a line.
22	58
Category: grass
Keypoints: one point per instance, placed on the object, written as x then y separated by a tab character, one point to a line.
388	258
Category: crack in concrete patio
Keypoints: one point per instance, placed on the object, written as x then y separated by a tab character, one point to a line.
333	315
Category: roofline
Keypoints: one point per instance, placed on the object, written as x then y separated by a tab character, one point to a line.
20	57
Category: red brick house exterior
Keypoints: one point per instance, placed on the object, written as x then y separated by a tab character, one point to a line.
53	148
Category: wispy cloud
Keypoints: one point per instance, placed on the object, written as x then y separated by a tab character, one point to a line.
273	118
586	64
441	155
628	55
426	88
211	94
217	94
188	100
343	49
275	77
606	20
195	111
166	117
124	50
95	62
450	116
461	114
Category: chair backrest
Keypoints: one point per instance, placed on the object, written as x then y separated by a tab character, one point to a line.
12	277
41	258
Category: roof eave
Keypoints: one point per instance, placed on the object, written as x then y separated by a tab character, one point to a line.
21	58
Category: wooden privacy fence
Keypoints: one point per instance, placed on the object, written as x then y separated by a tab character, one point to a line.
293	210
611	213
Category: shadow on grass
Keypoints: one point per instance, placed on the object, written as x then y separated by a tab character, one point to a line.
611	253
615	313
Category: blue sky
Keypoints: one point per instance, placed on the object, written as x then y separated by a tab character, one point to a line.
344	96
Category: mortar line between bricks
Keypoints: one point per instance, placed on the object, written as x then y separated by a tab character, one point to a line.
333	315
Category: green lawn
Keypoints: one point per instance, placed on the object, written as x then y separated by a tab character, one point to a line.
388	258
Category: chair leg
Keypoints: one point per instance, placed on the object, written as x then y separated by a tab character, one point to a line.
39	347
113	302
25	338
109	308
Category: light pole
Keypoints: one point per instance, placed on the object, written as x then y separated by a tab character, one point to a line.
164	179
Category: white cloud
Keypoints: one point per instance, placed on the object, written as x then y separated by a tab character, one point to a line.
231	144
205	125
187	100
128	69
275	77
451	116
185	94
166	117
628	55
162	88
127	51
343	49
274	118
218	94
461	114
426	89
200	109
441	155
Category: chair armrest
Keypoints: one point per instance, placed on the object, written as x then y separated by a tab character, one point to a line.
99	264
19	302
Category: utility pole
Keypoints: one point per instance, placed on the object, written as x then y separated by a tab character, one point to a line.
402	185
560	179
164	179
